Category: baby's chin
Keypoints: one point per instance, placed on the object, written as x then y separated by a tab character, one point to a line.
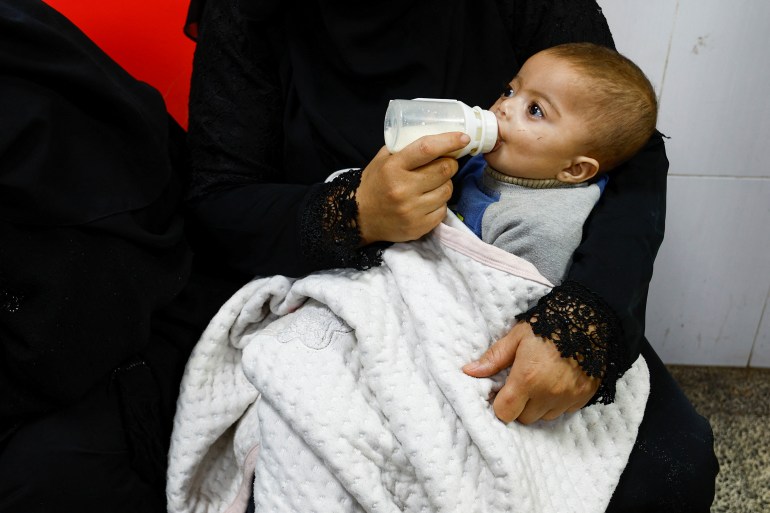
494	162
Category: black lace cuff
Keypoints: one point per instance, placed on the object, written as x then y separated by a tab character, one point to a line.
329	229
583	327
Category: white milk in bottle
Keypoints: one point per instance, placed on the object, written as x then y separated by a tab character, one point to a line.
408	120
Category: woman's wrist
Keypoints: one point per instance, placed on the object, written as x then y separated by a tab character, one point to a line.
330	230
583	327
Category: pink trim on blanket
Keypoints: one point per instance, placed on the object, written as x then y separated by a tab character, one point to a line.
241	501
470	245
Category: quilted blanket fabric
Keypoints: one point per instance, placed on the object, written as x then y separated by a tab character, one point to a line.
343	391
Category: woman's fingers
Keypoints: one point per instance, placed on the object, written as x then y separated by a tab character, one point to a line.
403	196
499	356
509	407
553	414
541	383
429	148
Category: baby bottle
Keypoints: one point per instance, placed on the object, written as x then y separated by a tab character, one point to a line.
408	120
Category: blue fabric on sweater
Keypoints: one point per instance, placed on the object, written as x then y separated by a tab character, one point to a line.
474	197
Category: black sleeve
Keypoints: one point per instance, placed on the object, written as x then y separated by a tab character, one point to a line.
245	213
621	240
535	25
622	236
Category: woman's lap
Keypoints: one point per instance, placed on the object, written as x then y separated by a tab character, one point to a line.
80	458
672	467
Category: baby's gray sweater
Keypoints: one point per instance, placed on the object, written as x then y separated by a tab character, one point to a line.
543	226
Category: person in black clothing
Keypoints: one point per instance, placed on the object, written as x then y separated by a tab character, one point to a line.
98	306
283	95
99	302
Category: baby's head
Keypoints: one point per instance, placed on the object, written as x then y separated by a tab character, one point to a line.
572	111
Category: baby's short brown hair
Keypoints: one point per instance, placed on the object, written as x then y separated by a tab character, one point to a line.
624	114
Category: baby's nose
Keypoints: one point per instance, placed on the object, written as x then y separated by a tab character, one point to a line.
504	106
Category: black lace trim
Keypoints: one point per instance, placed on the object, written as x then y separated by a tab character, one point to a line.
329	228
583	327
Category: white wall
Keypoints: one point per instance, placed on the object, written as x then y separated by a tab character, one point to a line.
710	294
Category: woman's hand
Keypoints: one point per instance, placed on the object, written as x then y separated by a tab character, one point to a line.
403	196
541	385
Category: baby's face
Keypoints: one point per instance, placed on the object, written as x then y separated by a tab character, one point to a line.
540	119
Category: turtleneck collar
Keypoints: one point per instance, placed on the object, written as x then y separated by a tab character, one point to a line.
530	183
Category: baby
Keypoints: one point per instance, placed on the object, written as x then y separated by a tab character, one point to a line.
573	112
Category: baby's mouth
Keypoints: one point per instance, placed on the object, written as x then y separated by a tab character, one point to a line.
498	142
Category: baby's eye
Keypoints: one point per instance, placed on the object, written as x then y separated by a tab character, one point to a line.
534	110
507	92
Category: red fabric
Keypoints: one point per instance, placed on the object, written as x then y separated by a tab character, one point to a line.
145	37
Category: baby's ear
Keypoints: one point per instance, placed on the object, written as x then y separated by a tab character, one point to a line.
580	170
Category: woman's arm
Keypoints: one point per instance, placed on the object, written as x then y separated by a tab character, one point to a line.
534	25
248	211
240	212
622	238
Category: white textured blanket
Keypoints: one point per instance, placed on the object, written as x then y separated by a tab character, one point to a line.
343	391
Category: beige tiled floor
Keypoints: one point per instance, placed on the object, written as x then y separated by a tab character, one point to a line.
737	403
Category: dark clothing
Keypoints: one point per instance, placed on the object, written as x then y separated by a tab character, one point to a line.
92	241
97	311
100	302
77	459
283	95
672	466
